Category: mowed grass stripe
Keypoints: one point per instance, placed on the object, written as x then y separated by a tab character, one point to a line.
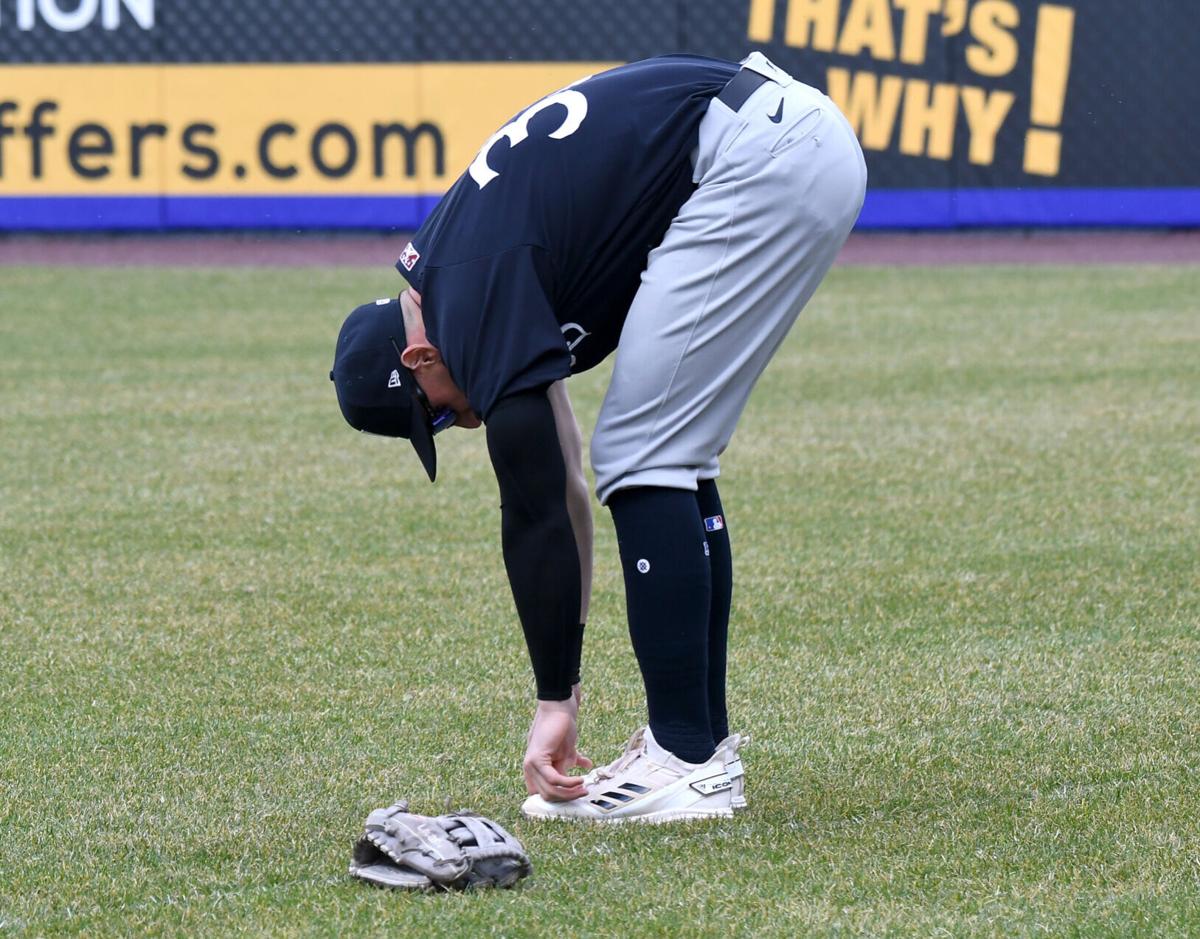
966	522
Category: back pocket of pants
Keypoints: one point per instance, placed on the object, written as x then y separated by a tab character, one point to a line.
798	131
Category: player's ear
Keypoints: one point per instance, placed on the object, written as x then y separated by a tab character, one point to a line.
420	354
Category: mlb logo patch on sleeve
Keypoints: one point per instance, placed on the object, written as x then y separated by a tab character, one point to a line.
714	523
409	256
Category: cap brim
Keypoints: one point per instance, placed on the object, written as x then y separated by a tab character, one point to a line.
421	436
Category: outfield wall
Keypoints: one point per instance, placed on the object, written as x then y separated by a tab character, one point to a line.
136	114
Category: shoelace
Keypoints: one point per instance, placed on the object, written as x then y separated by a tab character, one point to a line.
622	763
601	773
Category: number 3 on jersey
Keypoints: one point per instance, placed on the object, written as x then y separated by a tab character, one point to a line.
518	129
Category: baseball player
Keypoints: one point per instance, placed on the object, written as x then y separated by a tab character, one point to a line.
680	211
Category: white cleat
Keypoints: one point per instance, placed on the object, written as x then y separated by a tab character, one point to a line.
639	788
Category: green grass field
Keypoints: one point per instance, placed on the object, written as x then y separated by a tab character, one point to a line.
965	511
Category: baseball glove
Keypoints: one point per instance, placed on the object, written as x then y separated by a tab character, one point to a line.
447	852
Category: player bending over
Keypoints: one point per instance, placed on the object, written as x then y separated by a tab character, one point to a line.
681	211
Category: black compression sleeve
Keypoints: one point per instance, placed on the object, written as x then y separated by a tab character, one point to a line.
540	551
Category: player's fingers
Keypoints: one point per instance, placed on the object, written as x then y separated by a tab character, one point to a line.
534	783
544	779
553	777
555	787
583	762
564	795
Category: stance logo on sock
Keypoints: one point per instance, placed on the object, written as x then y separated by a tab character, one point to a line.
643	566
714	523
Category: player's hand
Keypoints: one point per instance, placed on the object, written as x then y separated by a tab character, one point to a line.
550	752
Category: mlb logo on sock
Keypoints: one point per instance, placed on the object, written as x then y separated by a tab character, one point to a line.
714	523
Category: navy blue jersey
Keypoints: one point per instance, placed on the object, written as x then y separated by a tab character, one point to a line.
529	263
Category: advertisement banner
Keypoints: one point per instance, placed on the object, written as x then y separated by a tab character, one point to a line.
120	114
248	145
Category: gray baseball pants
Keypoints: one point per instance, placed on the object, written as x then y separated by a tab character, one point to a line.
774	204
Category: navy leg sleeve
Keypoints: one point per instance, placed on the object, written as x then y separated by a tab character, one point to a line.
667	587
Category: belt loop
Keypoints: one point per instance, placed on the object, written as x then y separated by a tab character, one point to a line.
739	88
759	63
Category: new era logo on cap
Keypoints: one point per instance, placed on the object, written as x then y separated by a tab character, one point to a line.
394	378
409	256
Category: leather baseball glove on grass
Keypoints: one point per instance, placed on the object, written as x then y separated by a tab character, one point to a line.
446	852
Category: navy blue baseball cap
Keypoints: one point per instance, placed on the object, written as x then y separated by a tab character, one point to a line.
377	394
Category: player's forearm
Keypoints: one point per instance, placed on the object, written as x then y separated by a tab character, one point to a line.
579	500
543	573
541	546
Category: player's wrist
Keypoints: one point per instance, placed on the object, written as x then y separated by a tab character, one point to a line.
568	705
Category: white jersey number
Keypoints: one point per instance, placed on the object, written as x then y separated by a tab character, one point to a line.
518	130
